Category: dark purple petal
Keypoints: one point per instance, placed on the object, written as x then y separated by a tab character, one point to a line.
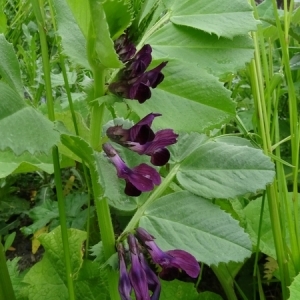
154	76
152	279
124	281
139	179
179	259
160	157
185	261
169	274
141	131
144	235
156	148
139	91
148	172
131	190
137	274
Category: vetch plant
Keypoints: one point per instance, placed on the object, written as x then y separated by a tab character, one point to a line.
167	147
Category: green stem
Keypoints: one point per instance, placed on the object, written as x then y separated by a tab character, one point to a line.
225	280
58	182
6	289
97	112
154	196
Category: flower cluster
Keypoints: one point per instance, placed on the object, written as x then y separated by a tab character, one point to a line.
134	82
141	139
141	278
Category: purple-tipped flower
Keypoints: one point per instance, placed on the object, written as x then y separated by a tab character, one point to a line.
124	48
171	261
152	280
141	139
138	179
137	275
124	281
134	82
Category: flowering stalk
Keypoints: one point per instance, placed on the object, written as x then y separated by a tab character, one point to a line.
102	208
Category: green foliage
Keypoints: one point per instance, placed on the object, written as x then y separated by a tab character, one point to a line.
48	214
22	127
295	288
220	170
220	18
51	270
180	220
9	67
178	290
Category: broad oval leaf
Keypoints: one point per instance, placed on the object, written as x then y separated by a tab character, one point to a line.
221	170
194	224
188	90
215	55
222	18
22	128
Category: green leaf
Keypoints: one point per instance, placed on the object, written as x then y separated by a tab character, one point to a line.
209	296
221	170
216	55
9	66
73	41
22	128
101	40
214	16
295	288
11	164
188	90
16	278
89	282
50	271
180	221
118	16
81	12
178	290
252	210
186	144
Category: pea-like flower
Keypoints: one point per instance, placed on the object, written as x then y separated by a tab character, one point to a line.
124	281
134	82
171	261
141	139
138	179
137	275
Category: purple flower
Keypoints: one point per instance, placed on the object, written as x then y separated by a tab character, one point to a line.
141	139
138	179
124	48
124	281
152	280
137	275
134	82
171	261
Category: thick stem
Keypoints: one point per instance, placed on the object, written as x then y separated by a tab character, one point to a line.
61	205
97	112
